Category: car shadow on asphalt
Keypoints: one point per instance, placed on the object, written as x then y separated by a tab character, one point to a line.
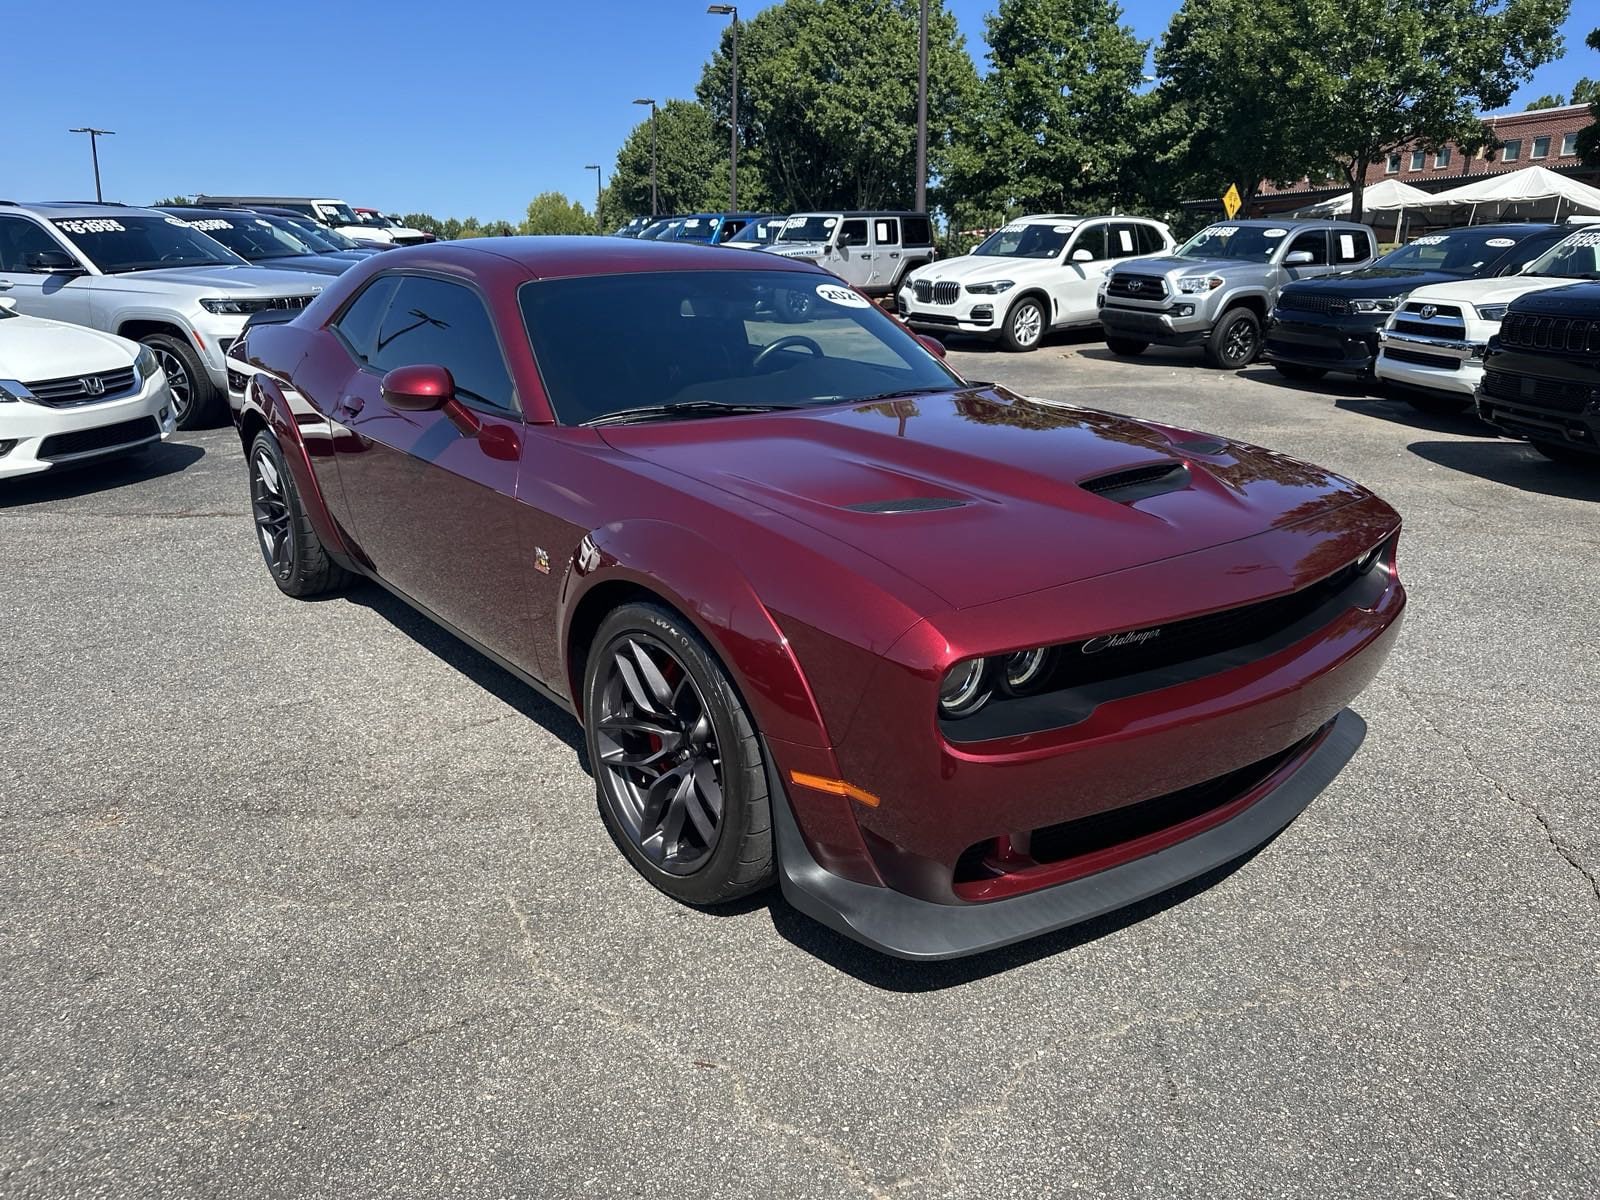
899	975
1515	464
61	483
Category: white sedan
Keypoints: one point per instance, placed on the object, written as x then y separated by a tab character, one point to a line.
71	395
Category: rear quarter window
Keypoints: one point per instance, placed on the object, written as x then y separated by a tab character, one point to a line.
916	231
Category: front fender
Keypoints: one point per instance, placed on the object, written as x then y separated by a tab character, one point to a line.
285	419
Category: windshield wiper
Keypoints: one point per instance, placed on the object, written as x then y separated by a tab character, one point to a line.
903	393
691	408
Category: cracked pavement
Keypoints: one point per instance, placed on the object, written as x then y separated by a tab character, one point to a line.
310	900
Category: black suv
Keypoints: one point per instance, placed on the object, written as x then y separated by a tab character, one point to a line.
1541	377
1332	323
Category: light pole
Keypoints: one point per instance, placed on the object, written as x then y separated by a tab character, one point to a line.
922	109
94	149
652	105
729	10
595	167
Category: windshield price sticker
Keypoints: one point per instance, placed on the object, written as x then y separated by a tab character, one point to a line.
95	225
264	223
1501	243
1347	246
692	223
1433	239
794	222
1221	231
210	223
842	296
1274	233
1062	228
1591	238
1125	239
1015	227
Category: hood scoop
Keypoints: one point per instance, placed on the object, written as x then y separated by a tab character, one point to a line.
906	505
1139	483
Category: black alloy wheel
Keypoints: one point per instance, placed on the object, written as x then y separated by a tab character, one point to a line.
1236	340
295	556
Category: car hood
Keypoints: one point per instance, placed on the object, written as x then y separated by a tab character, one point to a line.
1378	282
993	484
231	281
32	349
317	264
1488	291
1170	264
971	268
1579	298
797	249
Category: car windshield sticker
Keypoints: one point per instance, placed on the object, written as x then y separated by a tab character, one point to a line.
830	222
1062	228
833	293
210	223
264	223
692	223
1221	231
1591	238
1125	239
1501	243
1274	233
1014	227
98	225
794	222
1347	245
1433	239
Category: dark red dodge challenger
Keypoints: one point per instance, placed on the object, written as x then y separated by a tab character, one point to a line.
954	666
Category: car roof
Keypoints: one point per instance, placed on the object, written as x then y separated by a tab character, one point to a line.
1292	223
557	257
77	208
859	212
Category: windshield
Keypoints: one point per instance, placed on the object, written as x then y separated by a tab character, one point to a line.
375	219
143	242
808	229
697	229
249	236
784	338
1242	243
759	233
1456	251
1576	258
1026	241
319	237
338	214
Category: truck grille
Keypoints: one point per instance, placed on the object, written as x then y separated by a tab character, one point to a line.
1532	332
1422	358
106	437
1309	301
83	389
1552	395
1137	287
937	293
1444	321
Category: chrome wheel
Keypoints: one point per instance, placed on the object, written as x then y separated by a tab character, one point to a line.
270	507
1027	324
661	768
178	381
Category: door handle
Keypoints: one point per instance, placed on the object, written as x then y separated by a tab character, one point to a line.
6	285
894	254
866	256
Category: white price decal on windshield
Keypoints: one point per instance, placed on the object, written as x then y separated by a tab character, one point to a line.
1014	227
1583	239
1062	228
833	293
1274	233
1501	243
211	223
1433	239
92	225
1221	231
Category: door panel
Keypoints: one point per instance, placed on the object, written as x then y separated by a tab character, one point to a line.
1080	281
58	297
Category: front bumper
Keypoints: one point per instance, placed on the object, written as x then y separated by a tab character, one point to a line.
1446	365
1544	398
975	315
42	436
1349	345
1168	326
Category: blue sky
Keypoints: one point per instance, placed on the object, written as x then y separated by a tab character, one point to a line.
457	111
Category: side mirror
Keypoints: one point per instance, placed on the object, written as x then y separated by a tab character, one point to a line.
422	388
1297	258
1082	255
53	262
931	344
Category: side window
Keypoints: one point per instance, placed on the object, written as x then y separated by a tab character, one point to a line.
1315	242
1351	245
853	233
431	321
1124	240
917	230
1091	238
357	326
19	238
886	231
1149	239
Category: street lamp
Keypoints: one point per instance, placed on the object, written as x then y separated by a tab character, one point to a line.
595	167
729	10
922	109
652	105
94	149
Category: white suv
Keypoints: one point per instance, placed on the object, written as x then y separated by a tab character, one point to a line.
1036	274
70	395
146	276
1432	348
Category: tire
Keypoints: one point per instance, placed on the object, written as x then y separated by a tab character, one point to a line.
196	402
1235	341
1025	324
1296	371
1566	455
295	556
1436	405
793	306
687	714
1126	347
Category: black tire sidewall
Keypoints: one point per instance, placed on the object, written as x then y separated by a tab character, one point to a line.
204	395
266	444
746	811
1219	338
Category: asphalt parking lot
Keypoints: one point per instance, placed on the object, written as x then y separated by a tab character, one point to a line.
310	900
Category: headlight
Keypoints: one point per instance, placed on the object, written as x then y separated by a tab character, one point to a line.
231	307
1025	670
991	289
1492	312
1373	305
146	364
965	688
1190	285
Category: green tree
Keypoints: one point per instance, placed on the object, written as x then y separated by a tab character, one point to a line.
173	202
828	101
1058	114
1547	101
552	212
1585	91
1374	76
686	159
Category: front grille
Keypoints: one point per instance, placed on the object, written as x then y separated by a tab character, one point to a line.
283	303
1443	322
83	389
1441	312
1530	331
1137	287
1552	395
1309	301
936	293
1421	358
106	437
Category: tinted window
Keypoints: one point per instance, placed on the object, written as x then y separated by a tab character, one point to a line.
1092	239
854	233
1241	243
358	324
1464	251
886	231
134	241
917	231
1149	239
1350	246
445	324
1123	241
714	337
19	239
248	236
1029	239
1315	243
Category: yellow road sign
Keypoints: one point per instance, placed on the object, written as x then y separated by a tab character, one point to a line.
1231	201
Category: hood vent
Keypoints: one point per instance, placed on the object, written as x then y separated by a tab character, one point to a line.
1204	445
1139	483
906	505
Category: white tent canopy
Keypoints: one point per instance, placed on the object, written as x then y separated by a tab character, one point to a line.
1388	195
1529	192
